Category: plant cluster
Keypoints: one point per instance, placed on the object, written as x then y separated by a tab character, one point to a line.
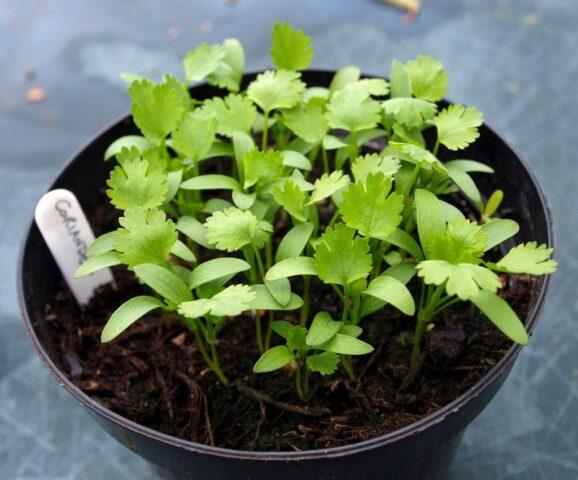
231	203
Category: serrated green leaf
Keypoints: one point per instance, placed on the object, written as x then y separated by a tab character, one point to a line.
234	113
327	185
499	230
128	313
291	267
272	90
136	183
291	198
457	126
230	302
345	345
146	237
163	281
377	87
273	359
418	156
229	71
323	328
391	290
502	315
232	229
194	135
97	262
373	163
261	167
294	242
217	268
291	49
202	61
429	80
463	242
307	121
324	363
352	110
464	280
156	109
341	257
410	112
369	209
528	258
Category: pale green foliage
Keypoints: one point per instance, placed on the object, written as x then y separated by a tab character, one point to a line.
233	113
262	167
280	89
202	61
352	109
463	242
307	121
137	183
429	81
291	49
342	257
457	126
232	229
373	163
410	112
369	209
328	184
527	258
194	135
291	198
232	301
156	109
146	236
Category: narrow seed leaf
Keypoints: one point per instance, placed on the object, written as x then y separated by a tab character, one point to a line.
430	219
273	359
265	301
323	328
210	182
294	242
346	345
217	268
97	262
280	289
163	281
128	313
102	244
402	239
392	291
183	252
291	267
499	230
195	230
502	315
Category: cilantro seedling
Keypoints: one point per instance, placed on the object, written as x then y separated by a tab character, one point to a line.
253	201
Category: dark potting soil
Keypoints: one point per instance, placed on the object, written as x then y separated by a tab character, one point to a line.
154	375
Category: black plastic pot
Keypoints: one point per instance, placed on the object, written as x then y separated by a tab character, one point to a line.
422	450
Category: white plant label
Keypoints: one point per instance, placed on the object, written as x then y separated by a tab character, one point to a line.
67	233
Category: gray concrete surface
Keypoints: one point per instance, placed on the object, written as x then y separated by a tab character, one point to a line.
515	60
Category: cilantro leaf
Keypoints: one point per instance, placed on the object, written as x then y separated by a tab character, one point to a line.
343	77
291	198
291	49
230	302
341	256
324	363
229	71
418	156
280	89
202	61
400	80
261	167
234	113
195	135
136	183
463	242
232	229
353	110
374	163
307	121
327	185
464	280
457	126
429	80
367	207
273	359
528	258
410	112
146	237
156	109
377	87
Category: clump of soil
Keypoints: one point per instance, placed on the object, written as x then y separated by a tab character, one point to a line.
154	375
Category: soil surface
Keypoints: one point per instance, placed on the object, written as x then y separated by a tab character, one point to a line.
154	375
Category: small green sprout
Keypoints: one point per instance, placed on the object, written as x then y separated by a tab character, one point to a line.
250	202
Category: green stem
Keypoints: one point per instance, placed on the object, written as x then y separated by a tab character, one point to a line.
217	365
298	385
325	160
259	331
436	147
207	358
346	307
412	180
348	366
334	218
259	262
417	335
304	314
265	130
